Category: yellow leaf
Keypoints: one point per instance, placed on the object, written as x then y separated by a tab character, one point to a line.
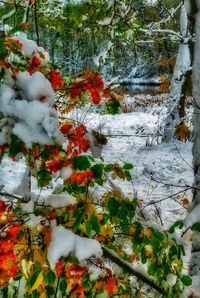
148	250
99	217
38	282
139	295
70	223
26	268
39	256
91	210
176	262
43	295
148	233
182	132
106	230
132	230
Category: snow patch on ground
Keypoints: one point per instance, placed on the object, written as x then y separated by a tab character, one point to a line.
159	172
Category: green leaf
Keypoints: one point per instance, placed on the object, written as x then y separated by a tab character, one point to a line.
50	277
33	278
128	176
35	294
79	214
94	224
88	227
45	154
165	266
112	107
152	269
16	146
99	181
108	168
63	286
101	139
143	256
81	162
43	177
128	166
173	252
196	227
2	49
113	206
86	281
178	224
181	251
186	280
98	170
50	291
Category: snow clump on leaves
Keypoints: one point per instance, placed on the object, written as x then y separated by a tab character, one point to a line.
69	243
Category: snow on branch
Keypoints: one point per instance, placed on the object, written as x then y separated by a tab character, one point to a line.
65	242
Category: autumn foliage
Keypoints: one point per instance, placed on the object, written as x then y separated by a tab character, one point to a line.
26	226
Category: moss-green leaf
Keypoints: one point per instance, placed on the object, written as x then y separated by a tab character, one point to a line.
196	227
186	280
81	162
128	166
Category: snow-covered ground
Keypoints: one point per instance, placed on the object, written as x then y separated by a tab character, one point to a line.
160	170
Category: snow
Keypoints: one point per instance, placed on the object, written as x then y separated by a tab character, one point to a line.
103	53
192	217
33	222
30	136
29	103
23	188
65	238
81	247
171	280
160	170
45	53
95	148
156	167
66	172
29	46
35	86
60	200
85	248
37	121
194	290
107	21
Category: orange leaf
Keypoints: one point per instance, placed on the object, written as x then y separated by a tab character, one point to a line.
185	202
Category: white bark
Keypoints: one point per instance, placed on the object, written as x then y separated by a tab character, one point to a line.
195	259
183	64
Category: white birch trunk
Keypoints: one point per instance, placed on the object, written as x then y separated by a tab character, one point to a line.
183	63
195	259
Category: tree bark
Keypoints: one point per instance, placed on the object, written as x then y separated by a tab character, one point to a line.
195	257
183	64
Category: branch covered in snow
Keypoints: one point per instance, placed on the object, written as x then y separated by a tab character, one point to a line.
65	242
110	254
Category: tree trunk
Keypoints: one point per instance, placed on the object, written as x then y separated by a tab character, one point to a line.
195	258
183	63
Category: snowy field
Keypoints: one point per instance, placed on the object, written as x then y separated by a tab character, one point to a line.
161	171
